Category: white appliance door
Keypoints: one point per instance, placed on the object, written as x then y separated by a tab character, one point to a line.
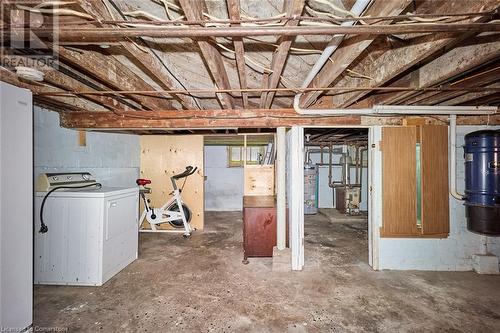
16	208
295	194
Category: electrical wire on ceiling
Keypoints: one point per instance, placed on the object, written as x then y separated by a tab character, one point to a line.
155	54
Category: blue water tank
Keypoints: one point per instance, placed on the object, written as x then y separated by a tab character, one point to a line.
482	182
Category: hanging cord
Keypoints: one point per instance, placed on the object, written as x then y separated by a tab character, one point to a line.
43	226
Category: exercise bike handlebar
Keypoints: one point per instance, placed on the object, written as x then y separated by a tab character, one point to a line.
188	172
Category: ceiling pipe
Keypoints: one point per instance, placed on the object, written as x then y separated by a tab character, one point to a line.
434	110
108	35
357	9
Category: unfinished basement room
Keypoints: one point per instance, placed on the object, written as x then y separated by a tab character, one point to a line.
250	166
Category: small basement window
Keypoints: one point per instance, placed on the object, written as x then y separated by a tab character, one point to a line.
255	154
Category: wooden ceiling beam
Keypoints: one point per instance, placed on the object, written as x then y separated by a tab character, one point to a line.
234	14
493	99
106	35
145	57
351	49
464	99
461	59
65	103
387	64
114	75
480	79
278	61
233	118
227	118
193	9
67	83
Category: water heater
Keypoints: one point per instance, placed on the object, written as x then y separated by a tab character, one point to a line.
310	189
482	182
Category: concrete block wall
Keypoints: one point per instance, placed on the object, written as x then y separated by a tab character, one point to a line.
451	254
114	159
224	185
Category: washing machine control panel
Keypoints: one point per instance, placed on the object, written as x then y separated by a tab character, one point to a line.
48	181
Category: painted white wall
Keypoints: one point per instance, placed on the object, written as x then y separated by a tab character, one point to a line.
224	185
451	254
325	192
114	159
16	208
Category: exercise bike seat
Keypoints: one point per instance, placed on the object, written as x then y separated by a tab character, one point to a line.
142	181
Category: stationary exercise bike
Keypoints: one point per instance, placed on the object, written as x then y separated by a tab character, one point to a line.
169	212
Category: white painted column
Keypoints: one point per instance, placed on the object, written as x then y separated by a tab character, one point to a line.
281	188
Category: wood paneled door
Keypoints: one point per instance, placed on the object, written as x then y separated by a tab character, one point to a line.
415	181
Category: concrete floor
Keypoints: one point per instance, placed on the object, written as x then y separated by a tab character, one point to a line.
335	216
200	285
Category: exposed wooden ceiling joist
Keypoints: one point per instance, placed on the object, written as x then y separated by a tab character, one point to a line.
239	49
386	64
480	79
463	58
64	103
230	119
144	56
151	72
105	35
351	49
67	83
291	8
226	118
466	99
115	75
193	9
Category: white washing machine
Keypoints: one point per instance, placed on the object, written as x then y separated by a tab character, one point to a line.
92	232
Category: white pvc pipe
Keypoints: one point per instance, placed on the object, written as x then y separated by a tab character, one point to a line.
453	159
280	188
357	9
434	110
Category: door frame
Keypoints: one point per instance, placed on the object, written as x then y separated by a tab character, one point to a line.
296	195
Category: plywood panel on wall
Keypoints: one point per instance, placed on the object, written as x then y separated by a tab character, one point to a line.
398	182
165	155
259	180
434	170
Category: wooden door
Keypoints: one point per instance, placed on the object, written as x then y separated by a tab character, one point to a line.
165	155
399	207
434	178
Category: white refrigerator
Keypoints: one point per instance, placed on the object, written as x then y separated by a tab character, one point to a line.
16	208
